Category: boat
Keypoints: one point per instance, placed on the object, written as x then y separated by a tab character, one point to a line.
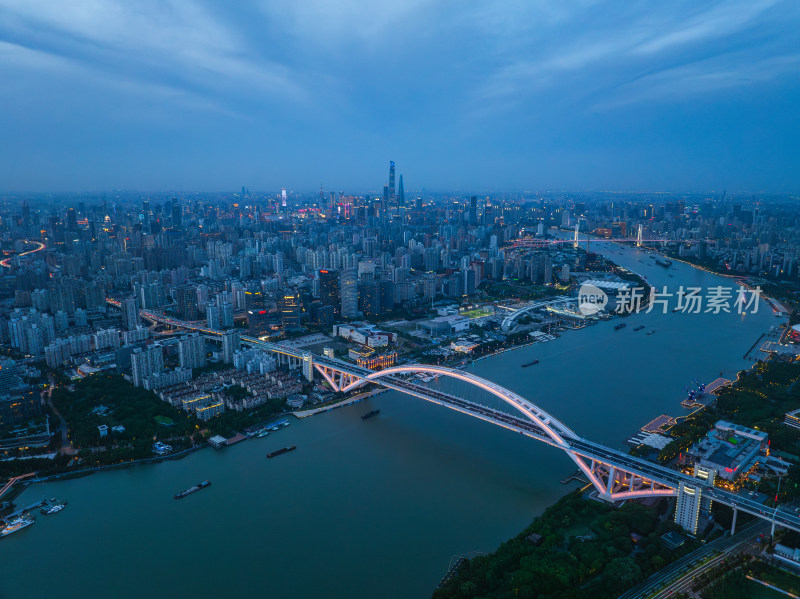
194	489
53	509
664	263
281	451
370	414
639	328
262	434
677	309
15	524
530	363
621	325
650	332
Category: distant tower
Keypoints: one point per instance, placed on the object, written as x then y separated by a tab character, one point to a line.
283	197
26	210
575	243
401	195
473	210
639	236
392	188
321	197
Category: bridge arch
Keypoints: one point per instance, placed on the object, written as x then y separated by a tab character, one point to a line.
509	320
555	429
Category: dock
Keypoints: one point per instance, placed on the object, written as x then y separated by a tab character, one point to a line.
575	476
29	508
717	384
657	424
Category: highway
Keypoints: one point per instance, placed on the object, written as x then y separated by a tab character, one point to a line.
39	248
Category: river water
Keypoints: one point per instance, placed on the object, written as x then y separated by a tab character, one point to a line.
372	508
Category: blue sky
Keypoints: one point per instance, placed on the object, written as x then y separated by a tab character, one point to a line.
464	95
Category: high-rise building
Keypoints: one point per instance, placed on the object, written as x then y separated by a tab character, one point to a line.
72	220
146	362
290	308
348	292
258	317
186	297
231	343
213	317
369	299
401	194
473	210
687	512
177	220
130	313
192	351
329	289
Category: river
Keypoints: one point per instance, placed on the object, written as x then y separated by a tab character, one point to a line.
378	507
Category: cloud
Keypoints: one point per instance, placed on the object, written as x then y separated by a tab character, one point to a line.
598	52
704	77
345	21
174	44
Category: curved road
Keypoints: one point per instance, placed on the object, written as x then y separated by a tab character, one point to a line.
5	263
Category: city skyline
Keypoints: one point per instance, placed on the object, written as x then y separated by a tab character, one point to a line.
193	96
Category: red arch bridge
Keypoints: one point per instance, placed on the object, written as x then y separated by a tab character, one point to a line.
614	474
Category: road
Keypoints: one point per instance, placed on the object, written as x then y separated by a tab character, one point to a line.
39	248
62	423
679	579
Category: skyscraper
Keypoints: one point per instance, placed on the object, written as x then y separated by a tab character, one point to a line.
186	297
177	214
146	362
290	308
192	351
473	210
392	188
130	313
401	194
231	343
348	290
329	289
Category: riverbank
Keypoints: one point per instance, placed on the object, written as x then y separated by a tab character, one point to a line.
579	547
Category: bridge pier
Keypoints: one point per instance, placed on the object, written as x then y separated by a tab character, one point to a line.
733	524
612	472
772	532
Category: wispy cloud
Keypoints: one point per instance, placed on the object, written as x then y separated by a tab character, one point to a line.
583	60
175	44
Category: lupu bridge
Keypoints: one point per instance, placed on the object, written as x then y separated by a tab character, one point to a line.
615	475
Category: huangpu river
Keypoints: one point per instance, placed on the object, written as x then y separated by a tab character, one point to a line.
378	507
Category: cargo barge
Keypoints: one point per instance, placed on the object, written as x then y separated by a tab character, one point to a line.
194	489
281	451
